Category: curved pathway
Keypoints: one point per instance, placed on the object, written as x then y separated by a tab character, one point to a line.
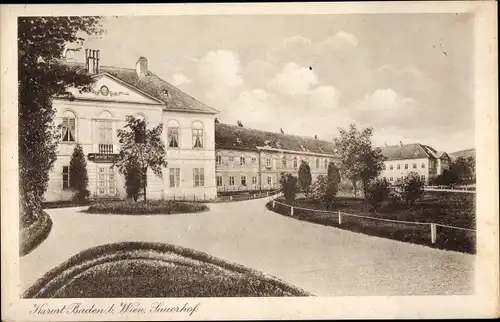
324	260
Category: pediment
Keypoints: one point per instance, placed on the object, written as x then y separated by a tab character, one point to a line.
108	88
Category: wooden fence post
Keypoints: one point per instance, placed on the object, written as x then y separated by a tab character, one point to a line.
291	211
274	204
230	197
340	218
433	233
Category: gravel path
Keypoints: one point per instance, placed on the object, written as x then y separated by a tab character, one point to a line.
320	259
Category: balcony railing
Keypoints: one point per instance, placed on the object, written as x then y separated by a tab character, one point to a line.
106	148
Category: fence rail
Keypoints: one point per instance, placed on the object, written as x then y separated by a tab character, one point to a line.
432	226
450	189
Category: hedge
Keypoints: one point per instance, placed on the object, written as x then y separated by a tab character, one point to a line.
152	207
33	235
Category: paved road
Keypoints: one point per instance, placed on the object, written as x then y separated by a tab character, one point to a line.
323	260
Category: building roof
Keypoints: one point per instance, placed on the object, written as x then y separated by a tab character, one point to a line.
411	151
151	84
242	138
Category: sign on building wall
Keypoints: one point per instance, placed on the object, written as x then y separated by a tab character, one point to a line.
103	157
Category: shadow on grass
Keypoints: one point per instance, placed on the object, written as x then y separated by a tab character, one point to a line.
137	269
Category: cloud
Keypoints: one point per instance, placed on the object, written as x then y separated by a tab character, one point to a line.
220	68
179	79
324	97
345	37
293	80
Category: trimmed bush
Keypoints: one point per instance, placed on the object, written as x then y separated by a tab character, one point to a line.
288	186
136	269
377	193
33	235
78	177
160	207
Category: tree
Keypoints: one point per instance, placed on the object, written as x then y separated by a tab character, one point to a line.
410	188
360	161
288	186
41	41
326	188
78	177
449	177
143	146
133	178
333	179
305	177
377	192
464	169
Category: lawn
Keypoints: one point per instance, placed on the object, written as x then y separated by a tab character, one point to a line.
151	207
135	269
453	209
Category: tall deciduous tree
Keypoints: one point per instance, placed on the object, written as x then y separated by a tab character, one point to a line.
142	145
360	160
78	177
41	42
305	177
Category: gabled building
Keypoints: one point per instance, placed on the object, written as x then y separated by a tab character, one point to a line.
249	159
93	118
405	158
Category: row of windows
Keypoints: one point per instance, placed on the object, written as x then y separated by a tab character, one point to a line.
175	177
105	130
269	161
391	179
243	181
398	166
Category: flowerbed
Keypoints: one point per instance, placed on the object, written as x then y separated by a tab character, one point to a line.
34	234
136	269
160	207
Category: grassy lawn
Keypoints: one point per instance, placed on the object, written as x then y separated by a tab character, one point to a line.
454	209
34	233
152	207
135	269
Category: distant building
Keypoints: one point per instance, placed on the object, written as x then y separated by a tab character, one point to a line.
405	158
248	159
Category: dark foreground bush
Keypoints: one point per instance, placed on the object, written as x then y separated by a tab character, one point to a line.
160	207
135	269
34	234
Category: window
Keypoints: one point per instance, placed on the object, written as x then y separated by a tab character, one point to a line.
268	162
390	179
231	158
68	127
218	159
197	134
199	177
219	181
283	161
243	181
269	180
105	128
173	134
295	162
384	167
231	181
414	166
175	177
65	177
243	161
317	163
254	180
254	160
406	166
422	165
398	167
326	164
391	167
422	177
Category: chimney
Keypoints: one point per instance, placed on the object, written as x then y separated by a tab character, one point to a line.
141	67
401	143
92	61
315	137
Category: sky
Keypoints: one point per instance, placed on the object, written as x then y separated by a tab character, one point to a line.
409	76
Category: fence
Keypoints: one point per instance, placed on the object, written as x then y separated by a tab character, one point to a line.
466	189
461	239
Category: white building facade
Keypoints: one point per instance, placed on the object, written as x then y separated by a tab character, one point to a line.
92	119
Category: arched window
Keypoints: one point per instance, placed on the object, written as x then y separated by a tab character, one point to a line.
283	161
294	162
105	128
173	134
317	163
231	158
326	163
218	159
68	127
197	134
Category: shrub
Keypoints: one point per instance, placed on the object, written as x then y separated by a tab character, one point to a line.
377	192
447	178
305	178
288	186
165	207
33	235
410	188
133	178
78	177
323	190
